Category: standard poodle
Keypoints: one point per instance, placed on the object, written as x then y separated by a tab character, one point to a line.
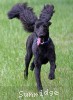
39	44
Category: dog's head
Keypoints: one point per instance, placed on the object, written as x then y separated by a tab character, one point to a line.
41	31
41	28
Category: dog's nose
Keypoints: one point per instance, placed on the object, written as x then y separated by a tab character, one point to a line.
41	35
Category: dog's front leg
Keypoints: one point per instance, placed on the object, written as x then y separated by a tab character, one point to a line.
37	76
52	70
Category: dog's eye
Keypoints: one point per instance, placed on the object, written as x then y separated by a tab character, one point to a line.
37	26
44	26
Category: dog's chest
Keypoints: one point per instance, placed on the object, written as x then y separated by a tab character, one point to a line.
43	52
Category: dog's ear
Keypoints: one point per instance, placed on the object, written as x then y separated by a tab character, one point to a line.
25	14
15	11
28	19
47	13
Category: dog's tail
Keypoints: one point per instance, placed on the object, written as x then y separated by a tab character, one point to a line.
47	13
25	14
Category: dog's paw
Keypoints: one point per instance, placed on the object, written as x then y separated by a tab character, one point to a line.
51	76
40	89
31	68
41	92
25	75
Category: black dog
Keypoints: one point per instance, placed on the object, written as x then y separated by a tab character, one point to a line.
38	43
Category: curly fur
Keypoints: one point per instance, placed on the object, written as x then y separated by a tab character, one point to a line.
25	14
36	43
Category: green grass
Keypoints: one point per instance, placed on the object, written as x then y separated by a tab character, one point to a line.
12	51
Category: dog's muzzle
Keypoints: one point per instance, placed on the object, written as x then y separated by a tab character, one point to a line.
40	41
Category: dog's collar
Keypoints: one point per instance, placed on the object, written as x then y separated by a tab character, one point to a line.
46	42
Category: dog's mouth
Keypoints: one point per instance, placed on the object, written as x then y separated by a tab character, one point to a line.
40	41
